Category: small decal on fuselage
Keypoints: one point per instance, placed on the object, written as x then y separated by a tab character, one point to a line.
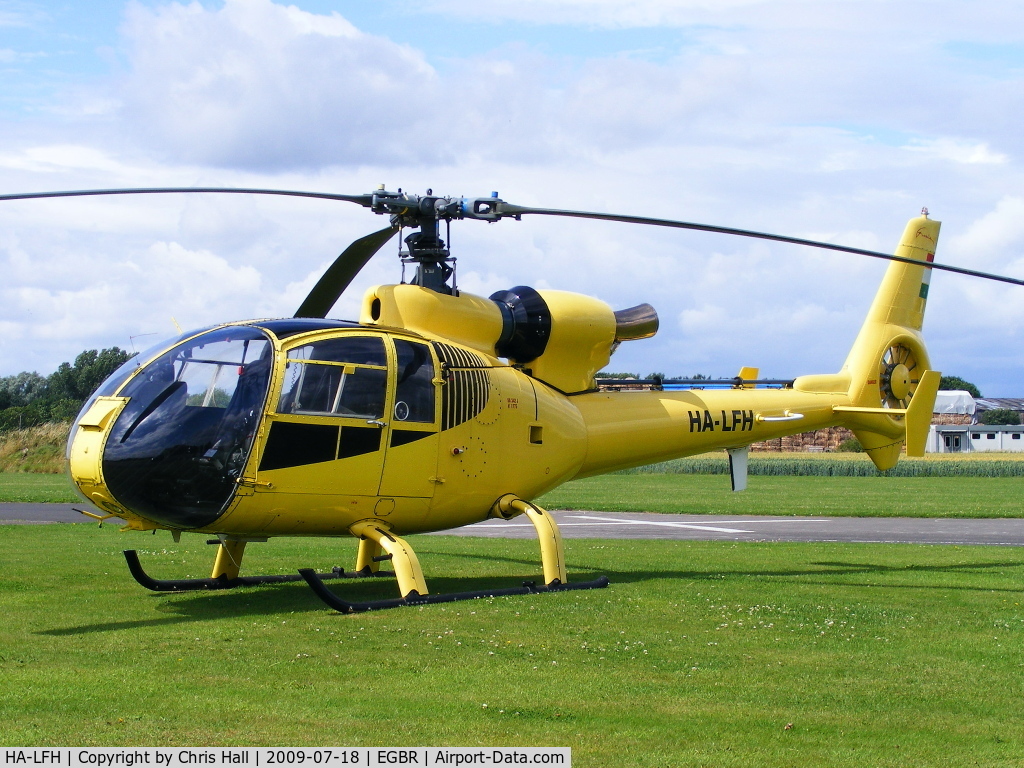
729	421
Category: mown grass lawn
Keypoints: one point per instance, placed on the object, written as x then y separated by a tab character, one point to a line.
700	653
773	495
28	487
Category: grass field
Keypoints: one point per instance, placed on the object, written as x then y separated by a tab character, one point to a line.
700	653
28	487
710	494
856	496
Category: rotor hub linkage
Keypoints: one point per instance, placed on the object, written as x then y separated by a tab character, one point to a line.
426	249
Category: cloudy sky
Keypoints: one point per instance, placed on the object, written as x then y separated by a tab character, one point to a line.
825	119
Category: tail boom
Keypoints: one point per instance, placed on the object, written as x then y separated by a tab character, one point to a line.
884	393
630	429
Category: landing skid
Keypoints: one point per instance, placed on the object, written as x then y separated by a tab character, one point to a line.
223	582
315	581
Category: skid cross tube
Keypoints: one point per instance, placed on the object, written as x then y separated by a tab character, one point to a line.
222	582
315	581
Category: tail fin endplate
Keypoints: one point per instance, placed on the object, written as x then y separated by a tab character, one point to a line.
888	365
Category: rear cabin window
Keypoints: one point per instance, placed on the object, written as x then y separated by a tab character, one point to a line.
344	377
414	396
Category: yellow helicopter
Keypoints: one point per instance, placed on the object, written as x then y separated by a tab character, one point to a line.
439	409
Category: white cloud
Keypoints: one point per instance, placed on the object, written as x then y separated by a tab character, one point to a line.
601	13
19	14
62	157
778	117
995	21
995	233
957	151
266	86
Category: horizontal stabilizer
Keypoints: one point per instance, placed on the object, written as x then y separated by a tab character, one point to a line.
865	409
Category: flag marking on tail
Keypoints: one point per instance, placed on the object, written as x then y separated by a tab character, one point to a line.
926	278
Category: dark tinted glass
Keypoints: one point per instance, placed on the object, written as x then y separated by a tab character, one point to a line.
114	381
184	436
361	350
328	390
290	326
414	396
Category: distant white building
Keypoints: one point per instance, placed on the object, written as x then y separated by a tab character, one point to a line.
970	438
973	438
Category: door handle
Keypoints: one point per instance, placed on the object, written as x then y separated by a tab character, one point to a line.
377	422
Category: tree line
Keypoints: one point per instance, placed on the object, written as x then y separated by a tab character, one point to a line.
28	399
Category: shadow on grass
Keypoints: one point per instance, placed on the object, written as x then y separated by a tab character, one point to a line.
278	599
816	569
834	567
274	600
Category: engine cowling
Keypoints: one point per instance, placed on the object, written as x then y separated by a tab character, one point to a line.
559	337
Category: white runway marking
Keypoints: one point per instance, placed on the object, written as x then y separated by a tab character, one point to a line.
695	526
777	520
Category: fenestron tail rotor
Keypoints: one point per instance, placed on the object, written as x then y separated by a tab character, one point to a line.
898	376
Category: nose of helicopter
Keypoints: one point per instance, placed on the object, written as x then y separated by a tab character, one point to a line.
169	441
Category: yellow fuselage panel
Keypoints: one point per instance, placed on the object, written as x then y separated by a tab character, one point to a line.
465	319
630	429
528	440
580	344
267	512
496	431
85	460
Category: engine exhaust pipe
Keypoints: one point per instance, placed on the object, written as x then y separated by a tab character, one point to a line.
639	322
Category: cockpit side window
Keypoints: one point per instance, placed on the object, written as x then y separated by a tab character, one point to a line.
344	377
414	396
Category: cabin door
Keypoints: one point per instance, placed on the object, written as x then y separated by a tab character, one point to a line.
410	465
328	433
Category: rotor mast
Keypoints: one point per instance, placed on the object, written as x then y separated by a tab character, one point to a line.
423	247
435	265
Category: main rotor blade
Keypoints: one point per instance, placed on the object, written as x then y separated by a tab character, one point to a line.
364	200
344	269
507	209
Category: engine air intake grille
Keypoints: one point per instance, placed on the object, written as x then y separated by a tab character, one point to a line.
466	387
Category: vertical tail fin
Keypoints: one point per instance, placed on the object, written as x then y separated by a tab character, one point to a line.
888	361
